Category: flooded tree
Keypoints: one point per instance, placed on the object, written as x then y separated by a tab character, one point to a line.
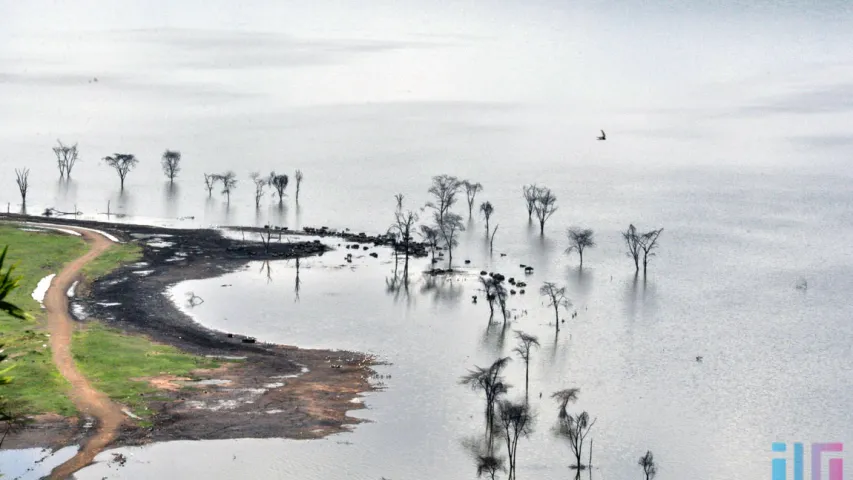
298	176
530	192
647	462
449	227
525	345
557	298
171	164
209	183
486	209
490	380
579	240
402	229
575	429
297	283
489	289
123	163
564	397
431	237
648	243
632	243
492	239
471	190
489	464
229	182
279	183
501	296
444	189
399	199
66	157
23	181
516	421
260	185
544	206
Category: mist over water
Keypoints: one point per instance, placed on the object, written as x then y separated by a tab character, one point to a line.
728	125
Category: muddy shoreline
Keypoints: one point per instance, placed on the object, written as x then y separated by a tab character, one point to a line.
271	391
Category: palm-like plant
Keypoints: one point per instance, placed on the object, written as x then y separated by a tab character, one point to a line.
8	284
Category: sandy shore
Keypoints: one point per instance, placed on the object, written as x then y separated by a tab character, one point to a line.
274	391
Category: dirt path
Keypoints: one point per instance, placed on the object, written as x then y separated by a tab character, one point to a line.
91	402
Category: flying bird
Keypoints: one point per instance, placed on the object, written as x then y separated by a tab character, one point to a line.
603	136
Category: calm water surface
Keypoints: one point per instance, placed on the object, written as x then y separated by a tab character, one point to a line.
728	125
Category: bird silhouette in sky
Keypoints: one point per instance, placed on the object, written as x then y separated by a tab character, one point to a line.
603	136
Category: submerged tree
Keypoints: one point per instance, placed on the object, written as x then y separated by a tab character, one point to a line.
229	182
564	397
489	464
492	239
449	226
298	176
490	380
516	421
557	298
489	291
23	181
575	428
260	185
487	210
171	164
444	189
431	237
123	163
471	190
66	157
632	243
402	229
544	206
209	182
525	345
501	296
530	192
279	183
648	243
579	240
647	462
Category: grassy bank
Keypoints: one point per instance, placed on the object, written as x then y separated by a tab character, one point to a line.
112	362
36	381
109	358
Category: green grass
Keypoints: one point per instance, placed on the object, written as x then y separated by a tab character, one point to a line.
37	383
110	360
108	357
113	258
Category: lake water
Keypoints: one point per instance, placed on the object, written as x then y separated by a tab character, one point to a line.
728	125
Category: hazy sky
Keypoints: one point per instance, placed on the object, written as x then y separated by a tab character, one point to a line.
735	70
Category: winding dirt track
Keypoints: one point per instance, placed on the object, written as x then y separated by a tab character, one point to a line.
91	402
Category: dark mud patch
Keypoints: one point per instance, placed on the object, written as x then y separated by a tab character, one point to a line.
271	391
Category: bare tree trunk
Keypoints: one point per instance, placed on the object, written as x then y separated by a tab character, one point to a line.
526	376
580	252
541	227
406	265
557	316
590	456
